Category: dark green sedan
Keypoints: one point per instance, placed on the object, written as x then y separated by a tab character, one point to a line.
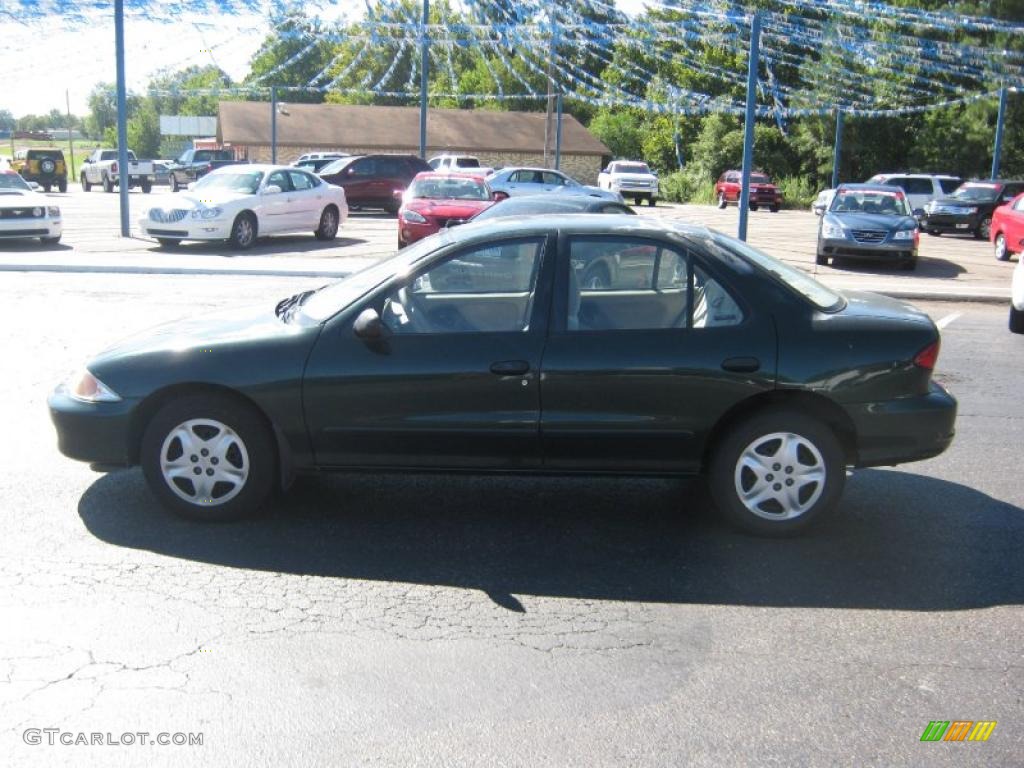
482	348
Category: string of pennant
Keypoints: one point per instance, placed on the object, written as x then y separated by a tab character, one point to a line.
818	56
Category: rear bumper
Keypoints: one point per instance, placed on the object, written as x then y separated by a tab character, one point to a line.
97	433
908	429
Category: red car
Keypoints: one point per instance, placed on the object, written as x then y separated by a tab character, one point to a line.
434	201
1008	228
762	191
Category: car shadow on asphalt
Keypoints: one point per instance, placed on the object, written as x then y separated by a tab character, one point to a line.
901	541
927	266
265	246
31	246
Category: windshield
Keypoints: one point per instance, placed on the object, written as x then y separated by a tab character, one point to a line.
822	297
333	298
451	188
214	154
632	168
977	193
467	162
759	178
879	201
13	181
247	181
336	166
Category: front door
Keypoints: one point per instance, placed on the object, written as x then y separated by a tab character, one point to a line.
648	349
456	382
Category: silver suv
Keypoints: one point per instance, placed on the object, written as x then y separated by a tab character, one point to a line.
920	188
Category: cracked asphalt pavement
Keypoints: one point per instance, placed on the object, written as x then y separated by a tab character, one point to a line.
384	619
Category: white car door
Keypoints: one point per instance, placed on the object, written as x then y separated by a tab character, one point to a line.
276	209
308	197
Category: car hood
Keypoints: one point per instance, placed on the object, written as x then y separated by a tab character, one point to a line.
763	185
17	198
853	220
955	201
634	176
449	209
199	199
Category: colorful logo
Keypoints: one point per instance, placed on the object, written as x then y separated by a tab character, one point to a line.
958	730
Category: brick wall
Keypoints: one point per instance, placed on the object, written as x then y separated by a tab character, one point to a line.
583	168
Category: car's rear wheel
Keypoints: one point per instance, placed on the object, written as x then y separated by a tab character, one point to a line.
146	187
934	232
777	472
753	206
821	260
86	186
1016	320
774	208
1002	252
721	200
328	228
984	228
209	457
62	185
243	231
108	185
909	265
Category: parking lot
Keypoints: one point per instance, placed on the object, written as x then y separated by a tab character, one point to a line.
954	265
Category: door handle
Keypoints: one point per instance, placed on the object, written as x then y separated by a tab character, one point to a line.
741	364
510	367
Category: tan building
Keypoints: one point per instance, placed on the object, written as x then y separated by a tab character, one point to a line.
498	138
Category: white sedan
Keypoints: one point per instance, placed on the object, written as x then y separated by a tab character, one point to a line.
25	212
239	203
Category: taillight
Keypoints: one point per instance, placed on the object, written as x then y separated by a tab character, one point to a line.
928	356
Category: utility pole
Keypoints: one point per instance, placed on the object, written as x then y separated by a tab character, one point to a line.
748	124
273	125
558	135
71	144
424	70
551	85
998	149
122	115
837	150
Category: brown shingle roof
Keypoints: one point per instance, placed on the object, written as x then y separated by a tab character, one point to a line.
247	123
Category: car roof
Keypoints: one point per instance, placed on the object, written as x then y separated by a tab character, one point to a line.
530	168
869	187
918	175
615	224
447	175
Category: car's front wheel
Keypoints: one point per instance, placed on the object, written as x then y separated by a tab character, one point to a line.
984	229
777	472
209	457
721	200
174	184
1016	320
86	186
243	231
1002	252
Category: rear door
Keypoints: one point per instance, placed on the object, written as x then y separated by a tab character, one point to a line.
649	347
919	192
306	200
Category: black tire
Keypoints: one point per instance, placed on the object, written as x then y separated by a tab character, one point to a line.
62	185
651	202
251	450
934	232
773	208
753	206
1002	252
1016	320
821	260
174	184
722	202
86	186
244	231
46	187
168	242
108	185
146	187
984	229
909	265
820	496
328	228
50	240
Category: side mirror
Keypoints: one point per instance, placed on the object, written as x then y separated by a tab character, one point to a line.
818	211
271	189
369	327
500	195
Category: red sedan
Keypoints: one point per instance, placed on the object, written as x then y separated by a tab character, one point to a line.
1008	228
437	200
762	191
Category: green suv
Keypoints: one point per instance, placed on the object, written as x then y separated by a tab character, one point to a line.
43	166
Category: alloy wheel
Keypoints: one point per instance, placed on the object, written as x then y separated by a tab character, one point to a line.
780	476
204	462
1001	252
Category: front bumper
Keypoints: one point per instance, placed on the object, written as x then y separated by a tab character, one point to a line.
888	250
907	429
950	222
187	229
31	227
97	433
410	231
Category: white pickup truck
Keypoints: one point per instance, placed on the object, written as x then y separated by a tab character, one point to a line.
100	169
630	178
459	164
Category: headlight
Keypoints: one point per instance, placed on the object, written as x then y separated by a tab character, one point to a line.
87	388
832	230
206	213
414	217
904	234
972	210
53	211
37	212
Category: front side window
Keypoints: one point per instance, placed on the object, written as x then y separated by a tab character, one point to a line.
279	179
1019	205
486	289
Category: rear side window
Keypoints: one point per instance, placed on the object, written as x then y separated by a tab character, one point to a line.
949	185
918	187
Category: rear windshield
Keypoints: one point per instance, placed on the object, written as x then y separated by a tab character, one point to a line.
821	296
632	168
53	154
214	154
949	185
467	162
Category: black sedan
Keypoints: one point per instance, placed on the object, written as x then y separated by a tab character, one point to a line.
478	349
